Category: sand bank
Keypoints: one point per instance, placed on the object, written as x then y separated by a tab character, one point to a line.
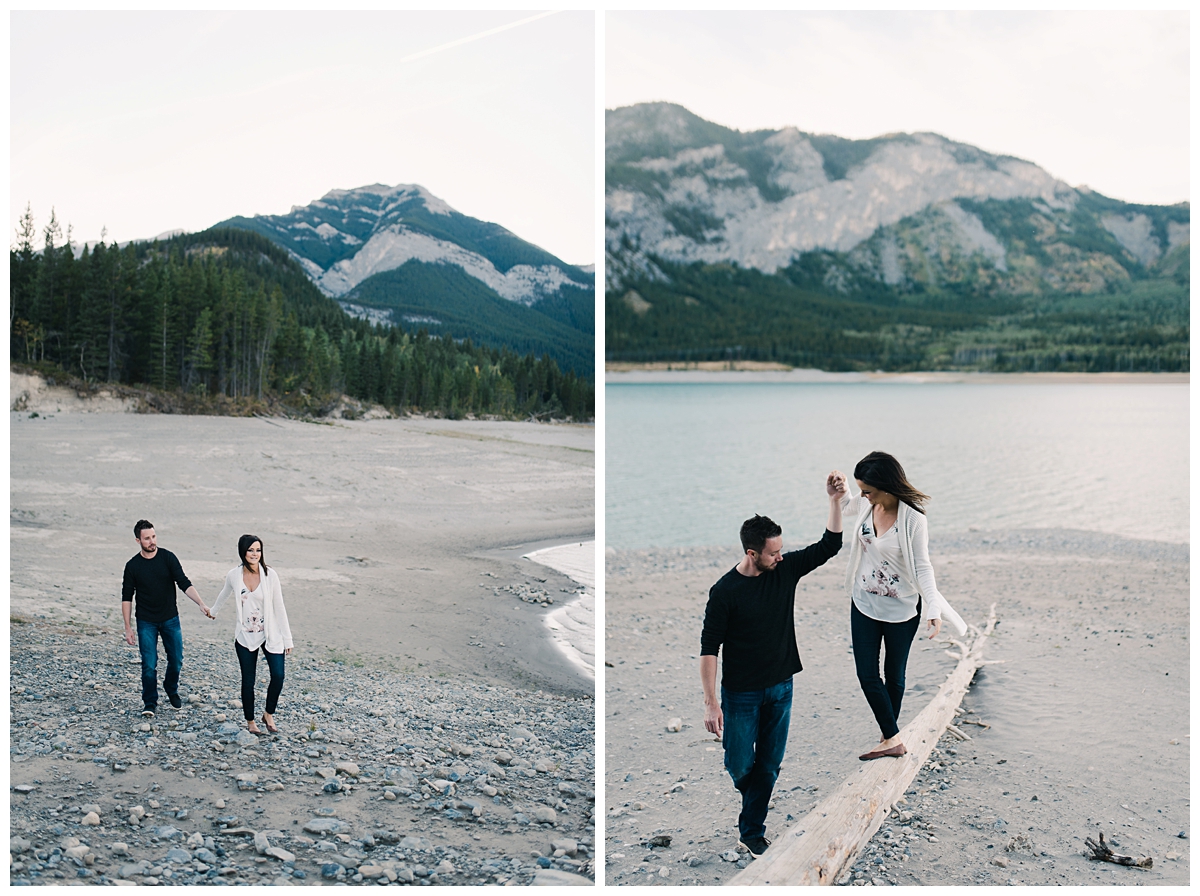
1088	714
746	372
393	538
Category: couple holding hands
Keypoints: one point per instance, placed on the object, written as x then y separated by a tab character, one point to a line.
750	613
261	622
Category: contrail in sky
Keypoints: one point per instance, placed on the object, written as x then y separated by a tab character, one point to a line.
467	40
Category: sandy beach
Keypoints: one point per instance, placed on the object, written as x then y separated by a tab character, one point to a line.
397	541
1087	715
661	372
426	685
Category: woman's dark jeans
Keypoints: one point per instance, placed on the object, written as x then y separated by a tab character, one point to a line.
884	695
756	732
248	660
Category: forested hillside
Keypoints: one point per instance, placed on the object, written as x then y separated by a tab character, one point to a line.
226	312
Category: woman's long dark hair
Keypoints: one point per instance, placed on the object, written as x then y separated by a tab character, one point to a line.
244	545
882	471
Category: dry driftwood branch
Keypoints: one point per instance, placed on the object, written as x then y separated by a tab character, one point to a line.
961	735
818	848
1104	853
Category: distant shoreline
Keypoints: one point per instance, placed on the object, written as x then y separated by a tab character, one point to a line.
662	372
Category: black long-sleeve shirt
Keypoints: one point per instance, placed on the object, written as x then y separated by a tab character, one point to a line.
154	582
754	618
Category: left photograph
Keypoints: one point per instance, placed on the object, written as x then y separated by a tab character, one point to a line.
302	448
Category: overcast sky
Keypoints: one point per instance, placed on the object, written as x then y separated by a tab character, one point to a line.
1096	98
145	122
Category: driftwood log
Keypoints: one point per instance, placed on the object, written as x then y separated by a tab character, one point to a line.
818	848
1104	853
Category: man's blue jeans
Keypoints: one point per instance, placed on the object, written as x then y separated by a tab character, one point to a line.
756	732
172	638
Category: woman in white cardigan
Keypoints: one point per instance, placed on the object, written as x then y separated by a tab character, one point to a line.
891	587
262	623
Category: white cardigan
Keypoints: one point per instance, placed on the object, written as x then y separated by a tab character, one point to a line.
917	571
275	621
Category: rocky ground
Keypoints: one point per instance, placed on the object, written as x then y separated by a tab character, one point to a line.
375	777
1084	722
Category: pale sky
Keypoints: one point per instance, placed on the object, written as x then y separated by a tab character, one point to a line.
149	121
1096	98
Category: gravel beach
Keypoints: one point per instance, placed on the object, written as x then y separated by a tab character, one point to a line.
426	680
1083	723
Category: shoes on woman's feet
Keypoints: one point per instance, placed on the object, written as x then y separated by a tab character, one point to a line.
255	729
271	727
898	750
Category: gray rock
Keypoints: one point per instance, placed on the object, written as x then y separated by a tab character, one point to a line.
331	870
19	845
166	832
244	738
418	843
552	877
545	815
326	826
278	852
178	856
261	843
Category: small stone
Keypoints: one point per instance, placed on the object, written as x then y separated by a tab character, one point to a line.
19	845
502	758
675	725
25	788
325	826
568	846
445	867
333	786
261	843
247	780
348	768
1000	861
325	772
544	765
119	849
278	852
664	872
91	819
137	812
552	877
178	856
370	872
544	814
220	804
331	870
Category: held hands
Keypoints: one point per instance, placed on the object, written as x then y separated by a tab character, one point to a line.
835	485
714	719
207	612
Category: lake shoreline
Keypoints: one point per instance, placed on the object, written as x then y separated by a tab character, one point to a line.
661	373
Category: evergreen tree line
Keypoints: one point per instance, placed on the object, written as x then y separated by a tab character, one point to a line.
227	312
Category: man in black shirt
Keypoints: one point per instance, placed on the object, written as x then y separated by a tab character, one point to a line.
751	612
152	574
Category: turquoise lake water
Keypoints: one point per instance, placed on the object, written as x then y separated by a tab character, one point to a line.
686	463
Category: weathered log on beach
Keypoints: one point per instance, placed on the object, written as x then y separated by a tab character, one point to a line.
821	845
1104	853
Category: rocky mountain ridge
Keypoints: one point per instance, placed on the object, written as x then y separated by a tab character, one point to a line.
347	236
899	213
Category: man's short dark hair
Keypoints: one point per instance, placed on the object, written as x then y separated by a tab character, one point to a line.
756	531
139	526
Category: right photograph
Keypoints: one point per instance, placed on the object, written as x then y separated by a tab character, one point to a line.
896	448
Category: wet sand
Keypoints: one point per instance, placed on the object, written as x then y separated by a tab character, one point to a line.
1088	714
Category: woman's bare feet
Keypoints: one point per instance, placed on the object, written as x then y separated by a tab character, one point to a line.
269	721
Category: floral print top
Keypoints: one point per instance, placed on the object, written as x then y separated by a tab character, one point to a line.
879	590
253	630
